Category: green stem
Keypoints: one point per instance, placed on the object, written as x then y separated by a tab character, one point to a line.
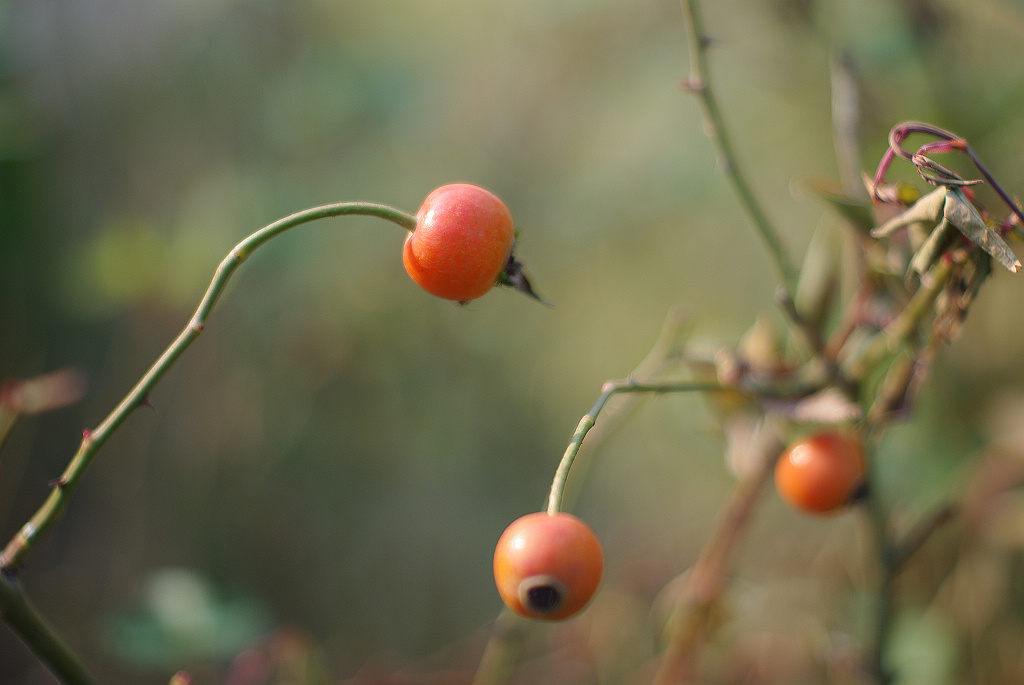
92	440
22	617
609	389
714	126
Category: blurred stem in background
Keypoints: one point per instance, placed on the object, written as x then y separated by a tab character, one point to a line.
714	125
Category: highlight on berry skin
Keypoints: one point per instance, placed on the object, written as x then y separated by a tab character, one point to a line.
548	566
461	244
820	473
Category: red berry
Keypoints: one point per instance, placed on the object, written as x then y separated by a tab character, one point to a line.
547	566
821	472
461	244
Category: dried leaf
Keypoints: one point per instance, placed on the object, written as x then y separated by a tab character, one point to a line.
962	214
926	210
933	247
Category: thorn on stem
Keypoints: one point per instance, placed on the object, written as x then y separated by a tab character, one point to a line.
691	85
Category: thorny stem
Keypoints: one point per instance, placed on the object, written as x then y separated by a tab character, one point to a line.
609	389
714	126
92	440
17	611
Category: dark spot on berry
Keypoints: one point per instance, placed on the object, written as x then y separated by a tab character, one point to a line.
542	594
543	598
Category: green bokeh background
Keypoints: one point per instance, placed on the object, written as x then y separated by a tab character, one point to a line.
339	451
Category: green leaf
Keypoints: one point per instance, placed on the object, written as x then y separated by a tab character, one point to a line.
962	214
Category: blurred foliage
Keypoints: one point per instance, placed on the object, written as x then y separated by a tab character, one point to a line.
340	451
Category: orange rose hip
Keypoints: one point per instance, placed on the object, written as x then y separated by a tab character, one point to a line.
461	243
547	566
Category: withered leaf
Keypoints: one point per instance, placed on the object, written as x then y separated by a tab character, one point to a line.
926	210
962	214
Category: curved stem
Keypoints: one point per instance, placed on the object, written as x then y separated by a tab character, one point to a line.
714	126
950	142
609	389
92	440
18	613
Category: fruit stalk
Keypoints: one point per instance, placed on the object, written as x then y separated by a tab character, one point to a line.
19	546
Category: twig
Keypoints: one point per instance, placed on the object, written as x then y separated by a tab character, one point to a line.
931	171
21	616
92	440
845	123
608	390
689	624
714	126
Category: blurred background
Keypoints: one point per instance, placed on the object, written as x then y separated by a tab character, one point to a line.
323	475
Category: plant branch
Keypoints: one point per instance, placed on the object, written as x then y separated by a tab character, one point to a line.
690	621
608	390
714	126
92	440
25	621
